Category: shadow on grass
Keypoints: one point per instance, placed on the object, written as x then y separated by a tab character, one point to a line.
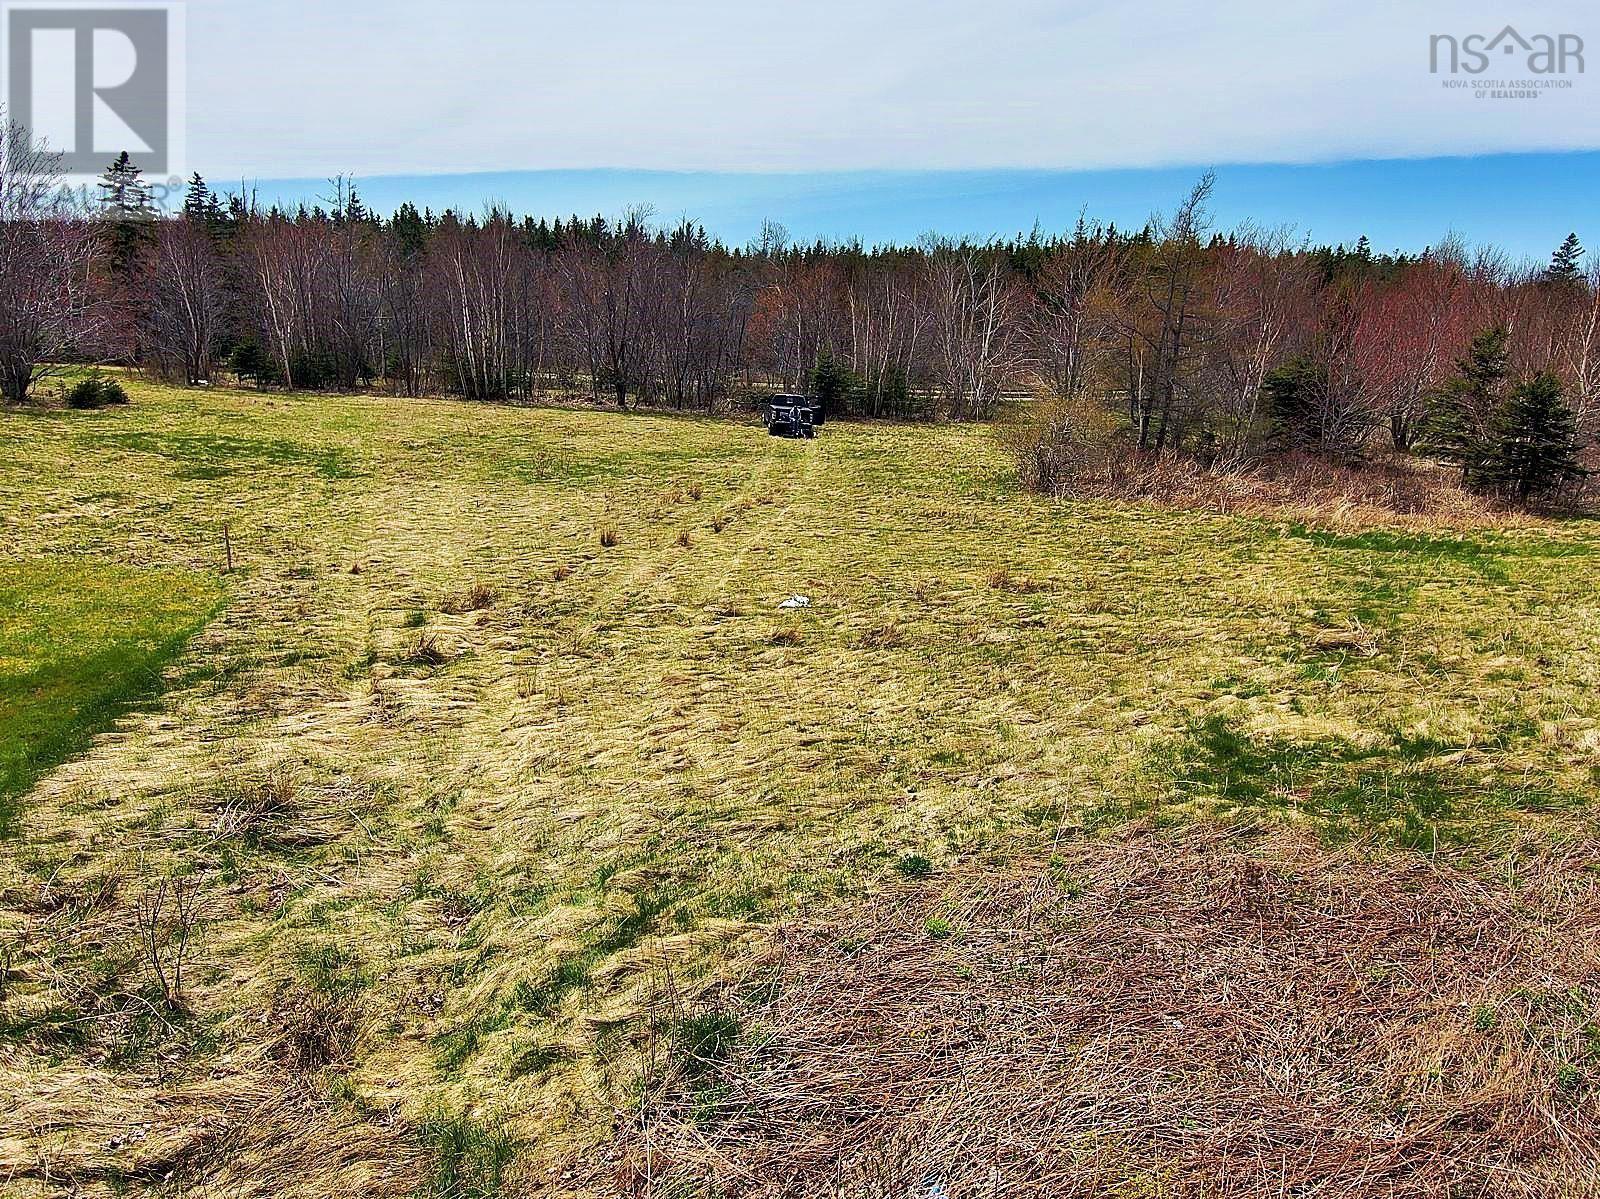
1407	790
82	643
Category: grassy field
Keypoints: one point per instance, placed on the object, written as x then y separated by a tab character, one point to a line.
495	749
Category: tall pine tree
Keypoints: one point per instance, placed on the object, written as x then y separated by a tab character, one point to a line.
1564	265
197	200
126	212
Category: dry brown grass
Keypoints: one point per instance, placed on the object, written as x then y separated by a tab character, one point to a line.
884	636
1076	450
491	862
1195	1015
427	650
608	537
312	1029
474	599
1003	580
1382	491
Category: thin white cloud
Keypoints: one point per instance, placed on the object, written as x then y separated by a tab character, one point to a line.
385	86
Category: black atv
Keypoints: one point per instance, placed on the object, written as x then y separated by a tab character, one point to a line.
792	416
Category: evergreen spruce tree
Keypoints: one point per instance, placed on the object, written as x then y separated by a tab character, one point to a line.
197	200
126	211
1292	393
1564	265
355	212
125	193
1537	448
219	219
410	231
1460	426
831	384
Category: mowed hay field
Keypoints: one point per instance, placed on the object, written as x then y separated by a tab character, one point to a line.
511	839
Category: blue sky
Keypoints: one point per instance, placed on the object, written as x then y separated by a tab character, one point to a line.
1524	203
886	117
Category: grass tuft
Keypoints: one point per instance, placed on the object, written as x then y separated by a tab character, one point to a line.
914	865
427	651
883	636
474	599
470	1159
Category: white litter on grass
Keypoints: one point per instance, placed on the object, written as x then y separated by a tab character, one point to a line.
796	601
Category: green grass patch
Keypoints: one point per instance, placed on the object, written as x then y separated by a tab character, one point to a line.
220	455
469	1158
80	642
1408	789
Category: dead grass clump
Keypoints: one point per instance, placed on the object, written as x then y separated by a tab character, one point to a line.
788	635
1357	639
718	524
274	810
563	571
1221	1018
474	599
258	805
684	541
260	1139
1003	580
883	636
427	651
313	1029
608	536
695	492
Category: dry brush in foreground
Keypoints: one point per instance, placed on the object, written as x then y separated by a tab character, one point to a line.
1197	1014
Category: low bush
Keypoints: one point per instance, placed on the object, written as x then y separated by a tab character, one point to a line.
95	390
1067	449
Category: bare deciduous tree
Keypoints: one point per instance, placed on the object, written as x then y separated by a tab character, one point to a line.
1072	312
284	262
613	288
48	304
1263	299
183	301
973	301
1165	323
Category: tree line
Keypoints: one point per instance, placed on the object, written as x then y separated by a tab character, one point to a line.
1221	346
